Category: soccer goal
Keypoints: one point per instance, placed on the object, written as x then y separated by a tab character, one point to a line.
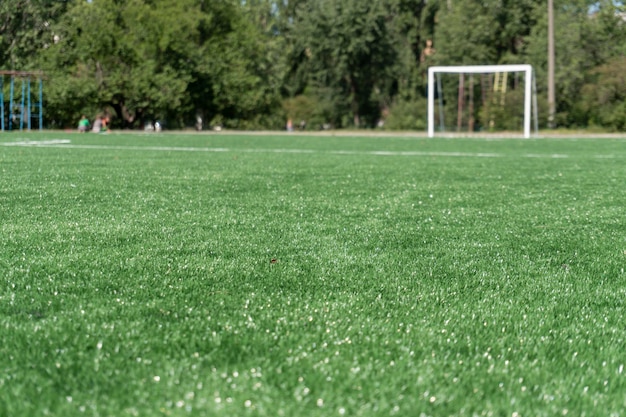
493	85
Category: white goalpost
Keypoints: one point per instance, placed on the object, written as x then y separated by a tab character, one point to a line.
529	89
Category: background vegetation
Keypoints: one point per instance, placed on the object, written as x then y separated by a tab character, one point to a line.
338	63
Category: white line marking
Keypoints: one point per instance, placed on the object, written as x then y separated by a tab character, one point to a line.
553	156
63	143
66	143
26	142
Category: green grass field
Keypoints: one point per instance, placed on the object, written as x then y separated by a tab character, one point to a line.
277	275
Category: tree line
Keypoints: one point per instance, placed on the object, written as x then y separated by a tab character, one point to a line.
253	64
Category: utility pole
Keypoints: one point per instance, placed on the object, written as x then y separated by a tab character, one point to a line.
551	98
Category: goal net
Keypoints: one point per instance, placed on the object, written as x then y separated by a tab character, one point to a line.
489	98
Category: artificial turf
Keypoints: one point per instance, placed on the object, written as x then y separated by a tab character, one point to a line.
297	275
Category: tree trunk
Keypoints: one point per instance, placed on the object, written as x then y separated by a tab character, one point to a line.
355	104
122	112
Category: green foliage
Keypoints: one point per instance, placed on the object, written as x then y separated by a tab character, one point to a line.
313	111
26	27
507	116
300	108
347	51
407	115
239	68
137	75
475	32
161	60
583	42
236	61
604	99
466	34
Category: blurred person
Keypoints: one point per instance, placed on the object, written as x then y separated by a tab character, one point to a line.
83	124
97	125
105	124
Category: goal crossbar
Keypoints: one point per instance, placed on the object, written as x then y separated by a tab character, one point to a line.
481	69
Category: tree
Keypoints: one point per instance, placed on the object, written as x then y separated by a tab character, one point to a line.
603	99
411	28
583	41
25	29
158	59
238	73
347	53
466	34
352	62
125	56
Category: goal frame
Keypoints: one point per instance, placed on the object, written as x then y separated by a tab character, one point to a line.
529	88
